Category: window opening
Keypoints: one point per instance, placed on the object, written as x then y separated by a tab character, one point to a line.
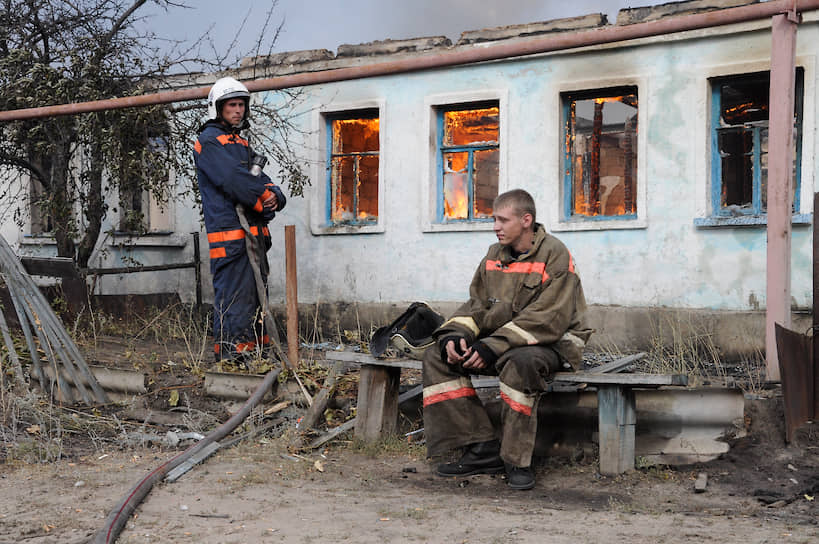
42	222
353	168
740	108
468	158
600	176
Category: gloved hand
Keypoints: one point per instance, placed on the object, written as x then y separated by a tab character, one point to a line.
269	213
456	339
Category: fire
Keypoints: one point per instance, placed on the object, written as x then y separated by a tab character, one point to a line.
600	146
464	127
354	170
473	136
355	135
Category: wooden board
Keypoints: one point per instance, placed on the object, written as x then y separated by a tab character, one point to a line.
367	359
57	267
377	411
633	380
617	418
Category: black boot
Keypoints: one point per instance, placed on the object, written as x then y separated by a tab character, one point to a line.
479	458
520	478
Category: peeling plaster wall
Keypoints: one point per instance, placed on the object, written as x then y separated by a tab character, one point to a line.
664	261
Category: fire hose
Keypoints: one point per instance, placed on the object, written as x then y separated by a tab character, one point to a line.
118	517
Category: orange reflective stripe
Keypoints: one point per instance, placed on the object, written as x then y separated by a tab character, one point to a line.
225	139
230	235
516	406
225	236
218	252
450	395
217	348
518	268
245	346
197	146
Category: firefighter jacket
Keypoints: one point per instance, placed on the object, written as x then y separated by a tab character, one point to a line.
223	171
533	299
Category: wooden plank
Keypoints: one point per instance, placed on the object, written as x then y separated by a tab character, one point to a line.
617	417
56	267
367	359
377	410
618	365
316	411
633	380
411	393
343	428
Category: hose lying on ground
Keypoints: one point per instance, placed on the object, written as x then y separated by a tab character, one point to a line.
116	519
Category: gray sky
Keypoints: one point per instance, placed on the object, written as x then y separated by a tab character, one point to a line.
326	24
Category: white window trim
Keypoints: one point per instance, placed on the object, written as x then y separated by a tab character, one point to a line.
704	214
429	178
318	190
557	222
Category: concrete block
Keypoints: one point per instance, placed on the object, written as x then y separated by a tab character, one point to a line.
629	16
533	29
391	47
289	58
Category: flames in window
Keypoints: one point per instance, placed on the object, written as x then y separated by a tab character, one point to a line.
601	147
354	170
470	162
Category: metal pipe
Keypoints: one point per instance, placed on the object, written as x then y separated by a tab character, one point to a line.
15	361
48	321
780	192
458	56
22	317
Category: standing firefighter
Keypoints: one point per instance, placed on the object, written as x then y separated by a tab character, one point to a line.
523	322
224	161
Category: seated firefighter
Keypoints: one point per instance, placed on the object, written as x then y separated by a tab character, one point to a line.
523	322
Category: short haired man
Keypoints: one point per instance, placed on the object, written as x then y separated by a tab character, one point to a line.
223	167
523	322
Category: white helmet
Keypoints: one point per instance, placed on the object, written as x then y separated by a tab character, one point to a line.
224	89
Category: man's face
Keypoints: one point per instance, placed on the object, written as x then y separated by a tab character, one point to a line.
233	111
509	226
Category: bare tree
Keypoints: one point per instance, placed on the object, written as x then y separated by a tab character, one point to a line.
64	51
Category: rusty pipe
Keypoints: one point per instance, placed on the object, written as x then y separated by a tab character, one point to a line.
546	44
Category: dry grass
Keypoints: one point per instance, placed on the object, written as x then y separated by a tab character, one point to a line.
686	346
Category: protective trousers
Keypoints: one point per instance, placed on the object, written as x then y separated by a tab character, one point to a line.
237	324
454	416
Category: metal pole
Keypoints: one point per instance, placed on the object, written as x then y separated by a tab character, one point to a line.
453	57
197	256
292	294
780	193
815	352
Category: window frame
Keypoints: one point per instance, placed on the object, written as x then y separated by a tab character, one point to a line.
432	197
470	149
568	164
714	129
558	220
370	113
320	200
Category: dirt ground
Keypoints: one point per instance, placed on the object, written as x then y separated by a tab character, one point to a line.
261	490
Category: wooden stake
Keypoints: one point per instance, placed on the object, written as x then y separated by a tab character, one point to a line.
292	295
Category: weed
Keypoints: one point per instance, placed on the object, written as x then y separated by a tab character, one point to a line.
390	445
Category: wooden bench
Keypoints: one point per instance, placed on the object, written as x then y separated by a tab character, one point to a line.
378	400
